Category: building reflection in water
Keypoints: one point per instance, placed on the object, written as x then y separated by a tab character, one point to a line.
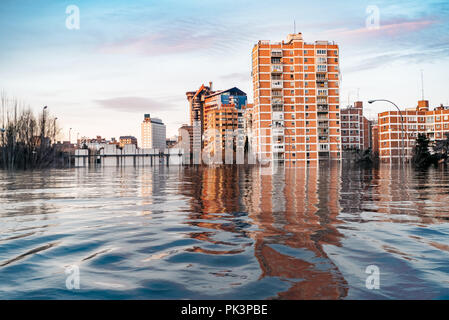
292	217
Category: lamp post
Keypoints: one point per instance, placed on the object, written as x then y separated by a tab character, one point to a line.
402	123
70	135
54	130
43	126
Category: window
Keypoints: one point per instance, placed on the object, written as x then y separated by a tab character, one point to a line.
321	51
305	51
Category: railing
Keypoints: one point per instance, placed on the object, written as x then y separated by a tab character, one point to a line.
276	68
323	109
276	53
278	116
277	84
323	125
277	131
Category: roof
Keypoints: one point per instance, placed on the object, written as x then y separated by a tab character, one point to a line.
233	91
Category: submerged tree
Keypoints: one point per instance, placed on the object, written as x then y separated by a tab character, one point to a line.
26	141
441	147
422	157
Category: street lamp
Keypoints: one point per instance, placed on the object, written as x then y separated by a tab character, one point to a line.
402	123
54	130
70	137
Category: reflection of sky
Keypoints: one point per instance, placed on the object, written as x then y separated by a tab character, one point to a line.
130	59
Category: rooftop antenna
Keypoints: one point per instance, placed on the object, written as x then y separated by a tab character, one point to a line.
422	84
294	26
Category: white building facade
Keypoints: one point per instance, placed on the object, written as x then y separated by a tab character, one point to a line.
153	133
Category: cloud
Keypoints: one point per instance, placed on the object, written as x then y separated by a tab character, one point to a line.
134	104
388	29
237	76
184	36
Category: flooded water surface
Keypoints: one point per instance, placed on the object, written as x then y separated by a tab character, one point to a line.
225	233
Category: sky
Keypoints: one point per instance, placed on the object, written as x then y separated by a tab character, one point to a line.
133	57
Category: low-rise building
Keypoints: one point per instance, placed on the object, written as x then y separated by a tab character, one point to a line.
355	128
125	140
395	127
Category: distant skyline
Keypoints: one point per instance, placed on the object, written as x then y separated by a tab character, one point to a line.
130	59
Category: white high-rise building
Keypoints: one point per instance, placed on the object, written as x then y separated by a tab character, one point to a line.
153	133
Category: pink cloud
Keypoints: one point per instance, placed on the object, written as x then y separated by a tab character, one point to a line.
389	29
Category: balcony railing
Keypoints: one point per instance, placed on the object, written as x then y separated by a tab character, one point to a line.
276	68
323	124
276	101
276	53
278	116
277	131
277	84
323	109
276	107
322	93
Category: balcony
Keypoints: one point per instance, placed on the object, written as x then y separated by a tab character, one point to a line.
322	93
320	85
321	100
276	53
278	116
277	131
278	156
278	147
323	124
323	117
322	109
277	101
323	139
276	84
277	107
276	68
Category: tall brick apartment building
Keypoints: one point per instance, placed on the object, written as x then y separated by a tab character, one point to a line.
296	114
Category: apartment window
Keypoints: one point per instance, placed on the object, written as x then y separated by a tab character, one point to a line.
305	60
305	51
445	117
307	91
438	118
445	126
291	60
306	67
292	91
306	76
321	51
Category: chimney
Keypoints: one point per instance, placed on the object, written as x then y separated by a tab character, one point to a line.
210	85
423	105
358	104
